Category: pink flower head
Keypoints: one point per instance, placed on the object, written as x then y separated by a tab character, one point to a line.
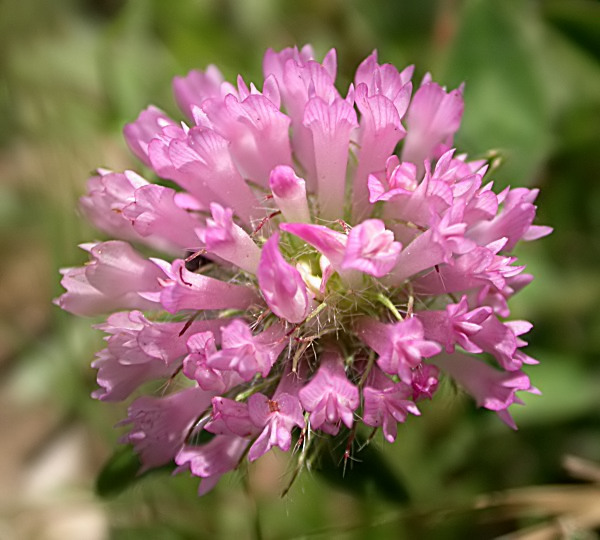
323	260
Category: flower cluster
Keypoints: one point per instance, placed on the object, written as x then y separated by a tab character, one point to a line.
330	255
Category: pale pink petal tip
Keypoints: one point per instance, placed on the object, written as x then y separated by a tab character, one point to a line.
289	192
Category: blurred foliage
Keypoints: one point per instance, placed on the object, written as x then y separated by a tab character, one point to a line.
72	72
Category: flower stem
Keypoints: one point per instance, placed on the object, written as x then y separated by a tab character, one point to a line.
389	304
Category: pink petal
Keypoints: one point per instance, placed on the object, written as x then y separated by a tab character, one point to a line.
281	284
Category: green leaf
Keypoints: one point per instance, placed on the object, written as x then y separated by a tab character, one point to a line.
577	19
121	471
497	52
164	531
366	472
568	392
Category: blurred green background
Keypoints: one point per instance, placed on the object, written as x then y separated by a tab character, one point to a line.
72	72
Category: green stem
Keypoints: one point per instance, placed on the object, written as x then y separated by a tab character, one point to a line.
316	311
388	304
367	370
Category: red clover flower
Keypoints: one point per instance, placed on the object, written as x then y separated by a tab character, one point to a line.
306	277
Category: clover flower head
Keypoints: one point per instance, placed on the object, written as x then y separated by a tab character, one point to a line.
321	257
